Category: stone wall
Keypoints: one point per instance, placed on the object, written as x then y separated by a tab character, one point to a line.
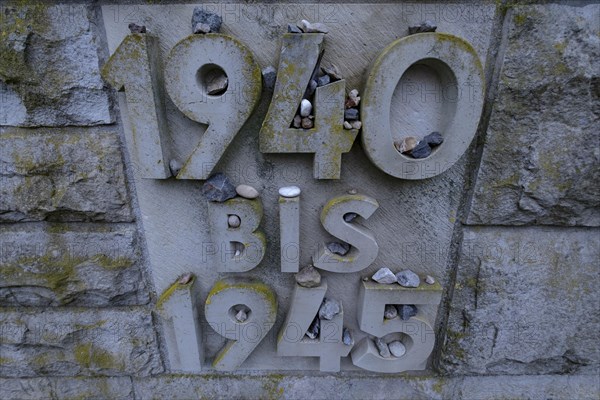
521	311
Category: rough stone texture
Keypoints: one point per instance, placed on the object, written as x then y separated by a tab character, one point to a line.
525	302
62	175
541	161
49	67
66	388
353	386
78	342
59	264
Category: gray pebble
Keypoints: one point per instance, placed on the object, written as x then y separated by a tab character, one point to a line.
333	72
241	316
218	188
201	28
323	80
347	338
293	29
313	329
308	277
383	348
329	309
390	312
312	86
351	114
434	139
247	191
175	166
408	278
134	28
205	17
315	27
430	280
340	248
349	217
297	123
307	123
269	75
397	348
385	276
421	150
347	125
405	311
216	83
425	26
233	221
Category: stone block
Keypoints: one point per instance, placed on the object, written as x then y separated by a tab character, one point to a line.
62	175
541	162
77	342
525	302
49	73
60	264
66	388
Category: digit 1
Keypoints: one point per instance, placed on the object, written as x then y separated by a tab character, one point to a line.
222	304
188	67
327	140
289	232
135	68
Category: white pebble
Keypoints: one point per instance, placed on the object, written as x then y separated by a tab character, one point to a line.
397	348
356	124
305	108
347	125
289	191
233	221
384	275
430	280
247	191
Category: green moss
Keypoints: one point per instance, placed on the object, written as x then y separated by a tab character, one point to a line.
258	287
90	356
112	263
6	360
172	289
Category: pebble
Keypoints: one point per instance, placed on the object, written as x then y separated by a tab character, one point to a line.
308	277
269	75
233	221
352	191
347	125
430	280
421	150
405	311
218	188
434	139
185	278
314	328
347	338
312	86
333	72
323	80
425	26
241	316
383	348
175	166
329	309
211	19
356	124
390	312
297	121
293	29
305	108
408	278
349	217
216	83
307	123
397	348
351	114
289	191
384	275
135	28
315	27
353	100
247	191
406	144
201	28
341	248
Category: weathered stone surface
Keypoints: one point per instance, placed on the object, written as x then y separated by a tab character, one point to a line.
59	264
49	70
78	342
62	175
541	162
66	388
525	302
